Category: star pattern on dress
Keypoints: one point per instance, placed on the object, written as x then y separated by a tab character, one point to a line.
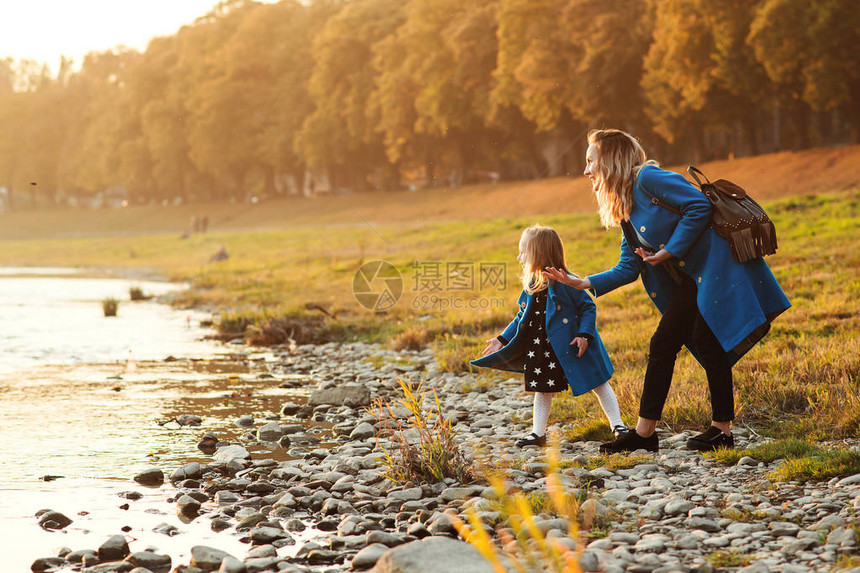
537	340
552	365
546	354
550	382
531	353
537	371
534	383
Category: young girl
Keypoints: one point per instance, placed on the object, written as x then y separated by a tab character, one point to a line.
553	339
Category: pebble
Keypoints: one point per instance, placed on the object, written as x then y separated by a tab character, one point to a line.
667	515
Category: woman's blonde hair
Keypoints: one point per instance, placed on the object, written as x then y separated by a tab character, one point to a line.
619	159
542	247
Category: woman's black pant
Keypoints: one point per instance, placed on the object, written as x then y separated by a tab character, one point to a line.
681	322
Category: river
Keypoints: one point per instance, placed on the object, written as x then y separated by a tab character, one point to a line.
87	402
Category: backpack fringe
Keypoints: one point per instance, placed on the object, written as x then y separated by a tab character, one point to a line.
743	245
767	235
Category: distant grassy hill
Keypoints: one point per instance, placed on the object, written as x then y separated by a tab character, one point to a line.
765	176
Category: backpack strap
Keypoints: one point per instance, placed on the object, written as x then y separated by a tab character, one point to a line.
695	172
656	201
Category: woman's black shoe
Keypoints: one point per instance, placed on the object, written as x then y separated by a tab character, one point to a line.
629	442
619	429
710	440
531	440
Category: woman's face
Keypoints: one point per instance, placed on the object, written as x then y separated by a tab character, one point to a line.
591	166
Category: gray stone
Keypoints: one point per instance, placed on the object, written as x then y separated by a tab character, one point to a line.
231	565
225	497
114	549
383	537
747	461
270	432
362	431
189	420
149	560
245	422
187	506
54	520
262	564
47	564
783	528
850	480
188	471
755	568
408	494
230	453
461	493
678	507
708	525
261	535
347	395
588	561
207	558
843	536
616	495
828	522
114	567
368	556
152	477
433	555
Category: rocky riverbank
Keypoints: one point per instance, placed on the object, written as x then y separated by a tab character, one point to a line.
325	507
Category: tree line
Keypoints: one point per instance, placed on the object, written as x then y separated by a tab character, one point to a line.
278	99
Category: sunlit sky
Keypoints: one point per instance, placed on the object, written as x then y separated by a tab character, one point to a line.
43	30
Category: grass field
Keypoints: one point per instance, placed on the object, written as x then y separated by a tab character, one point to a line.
801	381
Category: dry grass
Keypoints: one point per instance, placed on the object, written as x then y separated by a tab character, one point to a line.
802	380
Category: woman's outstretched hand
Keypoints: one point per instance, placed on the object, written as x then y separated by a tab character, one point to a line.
653	259
493	345
559	275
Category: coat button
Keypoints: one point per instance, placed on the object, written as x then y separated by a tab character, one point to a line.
642	229
662	245
653	295
700	279
523	305
681	263
564	320
558	307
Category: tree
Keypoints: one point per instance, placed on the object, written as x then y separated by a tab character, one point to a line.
678	75
339	133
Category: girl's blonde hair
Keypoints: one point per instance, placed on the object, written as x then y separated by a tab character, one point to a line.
619	159
542	247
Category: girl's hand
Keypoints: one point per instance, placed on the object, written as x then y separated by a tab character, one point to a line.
559	275
493	345
581	344
653	259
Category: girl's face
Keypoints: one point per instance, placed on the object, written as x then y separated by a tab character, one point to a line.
591	166
521	257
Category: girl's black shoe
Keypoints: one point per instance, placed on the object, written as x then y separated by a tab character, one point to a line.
531	440
710	440
629	442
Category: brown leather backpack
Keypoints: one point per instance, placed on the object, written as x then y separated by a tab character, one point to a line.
736	217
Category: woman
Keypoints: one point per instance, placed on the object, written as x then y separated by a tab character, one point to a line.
716	307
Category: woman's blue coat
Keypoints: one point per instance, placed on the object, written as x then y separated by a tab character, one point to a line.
737	300
569	312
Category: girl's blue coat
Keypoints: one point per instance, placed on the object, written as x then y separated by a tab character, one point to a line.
737	300
569	312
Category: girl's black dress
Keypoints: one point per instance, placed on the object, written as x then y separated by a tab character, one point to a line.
542	371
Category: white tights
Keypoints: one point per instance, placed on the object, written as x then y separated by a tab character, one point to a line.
605	395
